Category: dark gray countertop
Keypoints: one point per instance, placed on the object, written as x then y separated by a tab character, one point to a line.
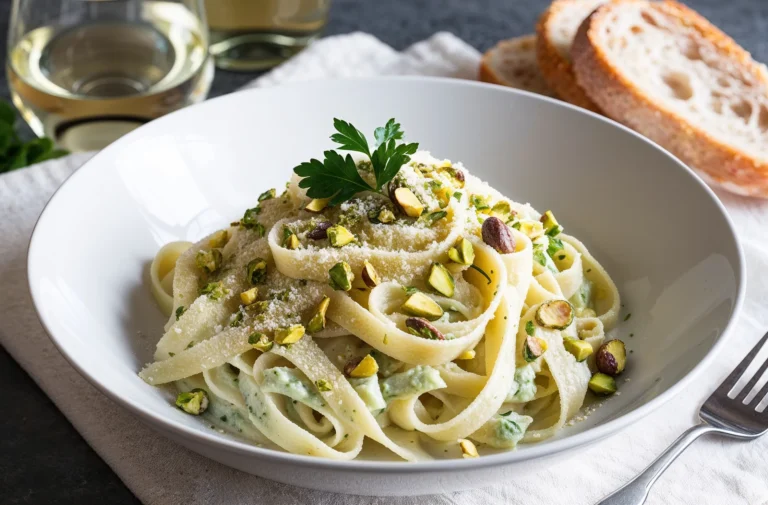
43	460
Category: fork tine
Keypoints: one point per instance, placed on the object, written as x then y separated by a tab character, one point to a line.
732	379
752	382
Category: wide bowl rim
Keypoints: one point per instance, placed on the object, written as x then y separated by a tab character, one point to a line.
535	451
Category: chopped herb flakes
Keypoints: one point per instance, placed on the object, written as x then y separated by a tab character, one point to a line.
529	328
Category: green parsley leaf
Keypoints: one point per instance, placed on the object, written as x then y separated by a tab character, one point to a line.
7	114
387	160
349	137
336	178
529	328
391	131
16	154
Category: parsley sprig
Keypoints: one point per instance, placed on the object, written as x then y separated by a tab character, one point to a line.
14	152
337	178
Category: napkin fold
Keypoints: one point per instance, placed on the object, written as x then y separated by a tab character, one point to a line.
713	471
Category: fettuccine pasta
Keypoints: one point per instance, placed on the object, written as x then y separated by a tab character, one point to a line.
439	319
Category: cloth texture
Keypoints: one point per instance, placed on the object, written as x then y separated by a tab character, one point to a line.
714	470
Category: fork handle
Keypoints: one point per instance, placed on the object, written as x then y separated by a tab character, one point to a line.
636	491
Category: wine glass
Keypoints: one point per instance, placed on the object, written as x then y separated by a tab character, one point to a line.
85	72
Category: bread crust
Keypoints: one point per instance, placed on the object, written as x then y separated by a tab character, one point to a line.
489	72
623	101
558	72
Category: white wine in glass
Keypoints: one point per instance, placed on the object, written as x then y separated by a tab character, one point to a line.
85	72
250	35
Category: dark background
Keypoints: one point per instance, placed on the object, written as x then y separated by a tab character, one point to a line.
43	460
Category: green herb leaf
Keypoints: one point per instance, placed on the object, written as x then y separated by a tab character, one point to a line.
388	158
336	178
349	137
529	328
391	131
16	154
7	114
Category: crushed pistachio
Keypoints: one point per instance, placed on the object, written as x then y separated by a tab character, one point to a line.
434	217
249	219
533	348
237	320
555	314
193	402
467	355
462	252
550	224
214	290
580	349
260	341
479	202
267	195
257	271
385	216
339	236
341	276
323	385
502	210
419	304
209	261
468	449
366	367
219	239
441	280
408	202
249	296
290	335
317	205
532	229
292	242
317	323
369	275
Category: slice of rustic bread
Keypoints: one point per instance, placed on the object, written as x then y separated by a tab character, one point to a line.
513	63
665	71
554	35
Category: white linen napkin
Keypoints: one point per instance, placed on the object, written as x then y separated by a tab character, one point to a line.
713	471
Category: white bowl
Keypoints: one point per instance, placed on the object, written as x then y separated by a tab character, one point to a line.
659	231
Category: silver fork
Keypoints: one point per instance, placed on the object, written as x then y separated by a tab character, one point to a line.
719	414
